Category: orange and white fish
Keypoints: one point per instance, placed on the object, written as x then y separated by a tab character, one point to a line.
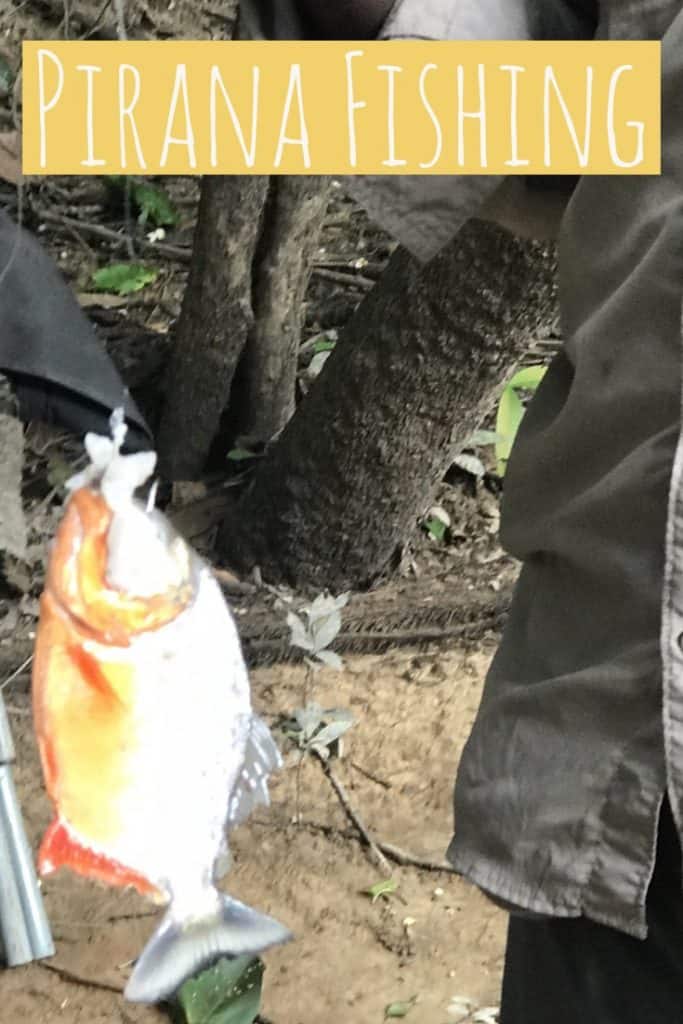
150	749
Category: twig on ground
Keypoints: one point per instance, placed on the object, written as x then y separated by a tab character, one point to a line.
404	858
349	279
407	859
77	979
176	252
353	815
368	775
371	271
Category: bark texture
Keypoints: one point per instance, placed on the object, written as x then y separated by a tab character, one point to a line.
214	322
292	222
413	373
242	311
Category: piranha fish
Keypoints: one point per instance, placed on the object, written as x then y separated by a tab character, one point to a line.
150	749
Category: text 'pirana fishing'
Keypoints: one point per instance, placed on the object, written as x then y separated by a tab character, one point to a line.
377	117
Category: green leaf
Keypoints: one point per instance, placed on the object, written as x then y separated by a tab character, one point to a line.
151	202
299	635
124	278
511	410
394	1010
528	378
228	993
324	344
436	528
241	455
329	734
385	888
154	205
510	415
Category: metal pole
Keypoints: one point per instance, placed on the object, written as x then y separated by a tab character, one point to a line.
24	929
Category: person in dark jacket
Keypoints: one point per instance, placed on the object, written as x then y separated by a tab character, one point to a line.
569	795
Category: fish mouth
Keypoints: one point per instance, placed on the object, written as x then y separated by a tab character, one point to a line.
80	585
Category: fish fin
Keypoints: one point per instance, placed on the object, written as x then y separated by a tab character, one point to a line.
179	950
60	848
260	759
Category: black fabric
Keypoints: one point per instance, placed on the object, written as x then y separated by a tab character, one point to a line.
39	399
565	19
48	347
578	972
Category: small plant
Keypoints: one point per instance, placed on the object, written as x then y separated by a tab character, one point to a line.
150	202
317	730
511	411
318	630
228	993
314	730
382	890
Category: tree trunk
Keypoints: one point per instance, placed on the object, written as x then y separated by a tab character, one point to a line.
214	321
242	309
293	219
412	375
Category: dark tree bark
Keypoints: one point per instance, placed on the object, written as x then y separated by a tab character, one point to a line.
293	218
413	373
243	305
214	322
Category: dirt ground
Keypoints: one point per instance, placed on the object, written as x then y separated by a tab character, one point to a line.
434	939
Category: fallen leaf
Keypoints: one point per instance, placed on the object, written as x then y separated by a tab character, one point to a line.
102	300
395	1010
316	364
124	278
471	464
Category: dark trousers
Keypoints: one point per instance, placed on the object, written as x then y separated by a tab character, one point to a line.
573	971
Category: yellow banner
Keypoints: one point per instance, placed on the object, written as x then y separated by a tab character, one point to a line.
406	107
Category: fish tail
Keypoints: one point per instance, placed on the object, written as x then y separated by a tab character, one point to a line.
180	949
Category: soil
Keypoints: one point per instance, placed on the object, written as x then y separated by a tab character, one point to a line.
351	957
